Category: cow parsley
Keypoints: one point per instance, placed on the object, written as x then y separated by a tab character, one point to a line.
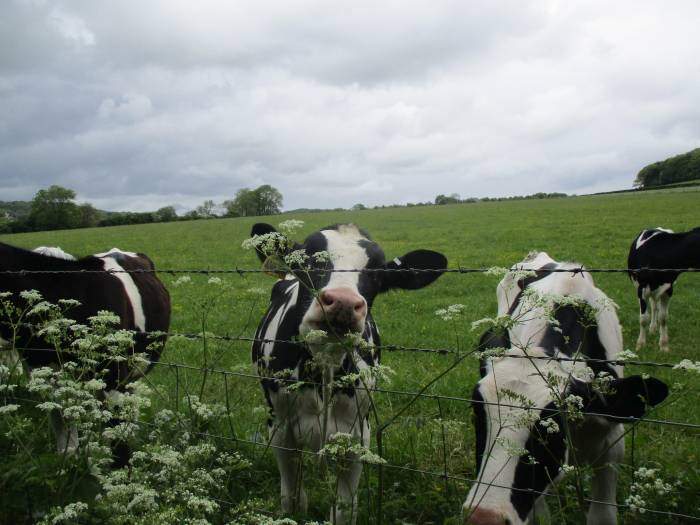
8	409
625	355
343	446
290	226
551	426
449	313
183	279
688	365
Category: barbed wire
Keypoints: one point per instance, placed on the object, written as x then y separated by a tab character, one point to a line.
412	394
388	348
458	270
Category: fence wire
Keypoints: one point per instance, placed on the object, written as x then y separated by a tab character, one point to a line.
440	271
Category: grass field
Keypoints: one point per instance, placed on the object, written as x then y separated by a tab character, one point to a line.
596	231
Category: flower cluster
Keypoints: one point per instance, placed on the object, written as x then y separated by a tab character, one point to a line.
449	313
343	446
688	365
647	484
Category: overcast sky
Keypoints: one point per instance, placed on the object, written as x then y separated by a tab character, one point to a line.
141	104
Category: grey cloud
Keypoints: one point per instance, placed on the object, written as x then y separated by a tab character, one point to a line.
139	105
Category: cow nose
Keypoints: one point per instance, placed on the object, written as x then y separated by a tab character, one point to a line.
480	516
343	303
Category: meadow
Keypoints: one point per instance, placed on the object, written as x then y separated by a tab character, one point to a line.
431	435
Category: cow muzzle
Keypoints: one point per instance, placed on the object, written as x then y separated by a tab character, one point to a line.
338	311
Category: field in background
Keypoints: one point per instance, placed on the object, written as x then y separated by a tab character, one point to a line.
596	231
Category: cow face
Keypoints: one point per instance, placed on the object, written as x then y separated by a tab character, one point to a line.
520	451
338	302
512	285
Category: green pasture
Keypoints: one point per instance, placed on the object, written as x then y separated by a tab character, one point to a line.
433	436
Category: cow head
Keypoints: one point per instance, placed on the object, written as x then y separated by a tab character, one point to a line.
338	302
520	452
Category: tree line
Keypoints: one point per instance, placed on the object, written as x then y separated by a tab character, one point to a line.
681	168
54	208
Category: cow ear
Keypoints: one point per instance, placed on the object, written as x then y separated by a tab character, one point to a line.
413	280
625	397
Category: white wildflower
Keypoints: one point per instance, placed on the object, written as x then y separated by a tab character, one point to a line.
688	365
625	355
183	279
8	409
69	513
449	313
296	258
69	303
215	280
290	226
48	406
551	426
31	296
322	256
313	337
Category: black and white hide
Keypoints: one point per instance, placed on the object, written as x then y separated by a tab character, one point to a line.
139	299
659	248
338	303
522	452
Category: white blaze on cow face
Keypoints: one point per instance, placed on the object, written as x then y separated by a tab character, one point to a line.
508	289
339	305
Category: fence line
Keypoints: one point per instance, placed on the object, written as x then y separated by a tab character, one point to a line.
388	348
405	393
398	348
458	270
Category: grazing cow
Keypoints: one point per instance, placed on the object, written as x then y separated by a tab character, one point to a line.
139	299
659	248
520	452
314	298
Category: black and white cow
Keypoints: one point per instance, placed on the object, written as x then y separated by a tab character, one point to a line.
659	248
338	303
520	452
139	299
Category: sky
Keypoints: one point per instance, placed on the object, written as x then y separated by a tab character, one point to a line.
137	105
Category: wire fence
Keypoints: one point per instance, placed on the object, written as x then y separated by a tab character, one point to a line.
384	424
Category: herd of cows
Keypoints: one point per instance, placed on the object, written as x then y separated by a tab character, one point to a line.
315	298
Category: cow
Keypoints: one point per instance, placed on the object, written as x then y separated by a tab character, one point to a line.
139	299
659	248
309	298
551	398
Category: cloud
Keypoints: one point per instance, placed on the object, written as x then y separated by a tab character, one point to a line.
138	105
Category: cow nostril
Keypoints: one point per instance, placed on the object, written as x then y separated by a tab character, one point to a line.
326	299
359	306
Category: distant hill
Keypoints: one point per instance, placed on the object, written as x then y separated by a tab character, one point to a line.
674	170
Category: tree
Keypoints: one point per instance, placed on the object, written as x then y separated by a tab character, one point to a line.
88	216
359	207
166	214
207	210
447	199
54	209
264	200
681	168
268	200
